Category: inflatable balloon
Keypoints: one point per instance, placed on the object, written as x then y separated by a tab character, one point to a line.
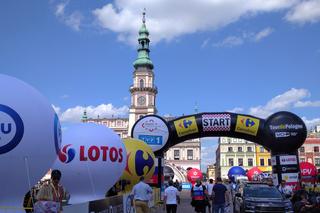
29	139
91	160
193	175
308	171
140	162
253	173
236	171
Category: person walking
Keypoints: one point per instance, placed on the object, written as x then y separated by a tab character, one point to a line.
141	194
210	194
171	198
220	195
199	194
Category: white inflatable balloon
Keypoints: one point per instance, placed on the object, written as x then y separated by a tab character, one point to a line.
91	161
29	139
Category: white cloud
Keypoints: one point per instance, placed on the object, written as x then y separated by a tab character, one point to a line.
205	43
263	34
167	19
305	11
74	114
236	110
72	20
311	123
230	41
280	102
307	104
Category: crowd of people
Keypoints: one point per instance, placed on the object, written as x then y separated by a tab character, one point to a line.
218	197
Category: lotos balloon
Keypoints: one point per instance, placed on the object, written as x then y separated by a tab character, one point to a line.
91	161
236	171
140	162
29	139
253	173
193	175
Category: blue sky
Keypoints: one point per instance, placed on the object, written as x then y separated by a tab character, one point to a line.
255	56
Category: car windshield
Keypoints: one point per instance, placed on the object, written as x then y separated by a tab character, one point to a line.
261	192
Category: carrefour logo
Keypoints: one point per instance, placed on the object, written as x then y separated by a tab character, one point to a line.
67	154
141	163
186	123
186	126
247	125
247	122
11	129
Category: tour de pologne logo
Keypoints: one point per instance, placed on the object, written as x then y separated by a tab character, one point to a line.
11	129
67	154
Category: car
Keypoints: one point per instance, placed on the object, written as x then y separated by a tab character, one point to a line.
260	197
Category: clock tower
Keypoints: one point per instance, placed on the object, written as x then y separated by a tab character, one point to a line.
143	91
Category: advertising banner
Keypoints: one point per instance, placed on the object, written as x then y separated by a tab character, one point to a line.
153	130
288	159
290	177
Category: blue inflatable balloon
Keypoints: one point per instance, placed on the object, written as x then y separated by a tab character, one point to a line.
236	171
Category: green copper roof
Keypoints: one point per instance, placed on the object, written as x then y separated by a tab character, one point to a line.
84	116
143	50
143	29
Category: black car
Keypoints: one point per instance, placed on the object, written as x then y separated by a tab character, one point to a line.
260	197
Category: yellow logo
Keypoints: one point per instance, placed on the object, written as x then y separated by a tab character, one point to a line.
247	125
186	126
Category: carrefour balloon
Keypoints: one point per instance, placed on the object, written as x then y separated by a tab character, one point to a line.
253	172
193	175
29	139
140	162
91	161
236	171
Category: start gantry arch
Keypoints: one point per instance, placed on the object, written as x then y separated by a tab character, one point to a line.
282	132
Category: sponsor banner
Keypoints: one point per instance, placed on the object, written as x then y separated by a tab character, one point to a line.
186	186
290	177
153	131
288	159
286	127
186	126
288	169
216	122
247	125
275	179
273	160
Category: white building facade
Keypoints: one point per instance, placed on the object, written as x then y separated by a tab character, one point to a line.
234	152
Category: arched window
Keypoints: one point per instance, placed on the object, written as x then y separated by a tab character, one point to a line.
141	83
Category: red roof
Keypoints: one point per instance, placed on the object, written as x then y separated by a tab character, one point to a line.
312	141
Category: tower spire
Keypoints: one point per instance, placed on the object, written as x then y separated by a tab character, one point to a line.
143	59
144	16
84	116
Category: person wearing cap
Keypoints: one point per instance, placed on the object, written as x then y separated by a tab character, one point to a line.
50	195
141	193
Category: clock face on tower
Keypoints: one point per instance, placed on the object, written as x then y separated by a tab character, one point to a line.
141	100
